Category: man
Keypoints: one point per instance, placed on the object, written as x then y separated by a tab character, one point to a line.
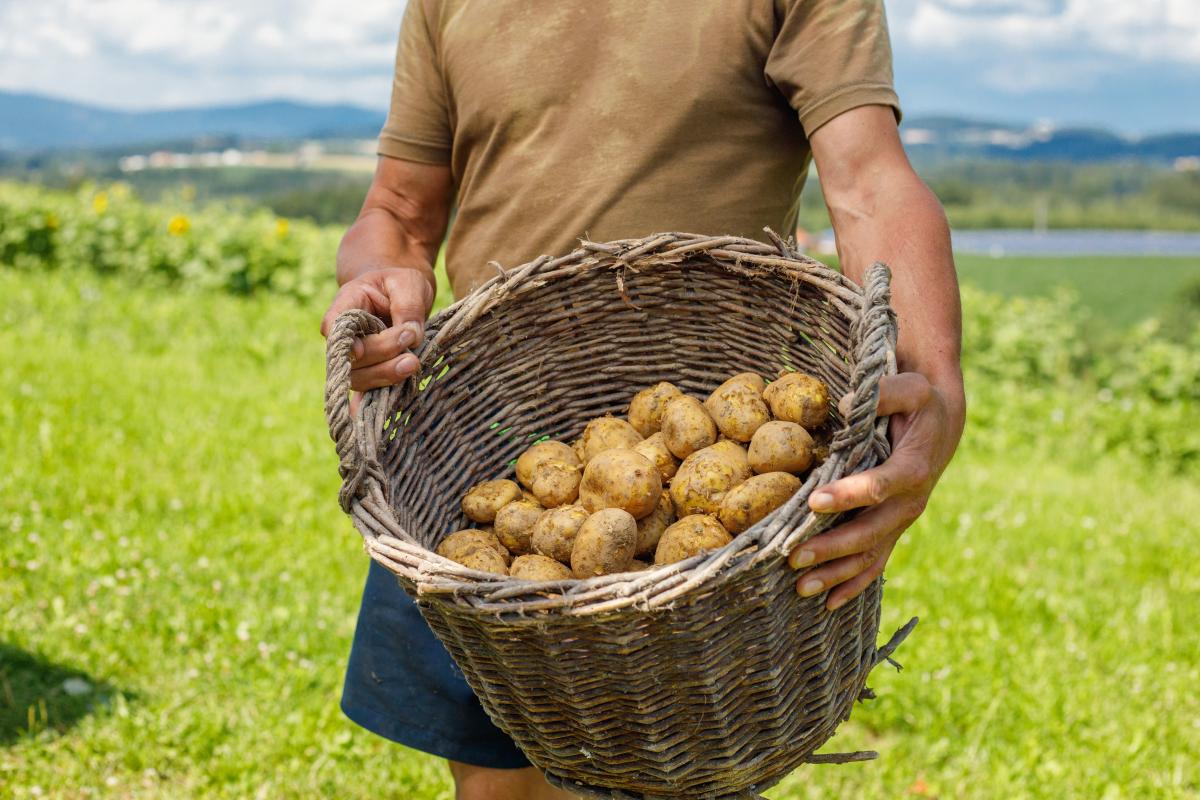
547	120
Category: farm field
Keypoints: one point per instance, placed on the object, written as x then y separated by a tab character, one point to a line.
178	585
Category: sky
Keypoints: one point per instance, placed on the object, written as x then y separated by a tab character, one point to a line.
1131	65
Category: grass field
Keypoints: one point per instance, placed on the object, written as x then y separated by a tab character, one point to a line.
178	586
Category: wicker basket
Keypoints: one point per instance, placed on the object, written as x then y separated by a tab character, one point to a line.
709	678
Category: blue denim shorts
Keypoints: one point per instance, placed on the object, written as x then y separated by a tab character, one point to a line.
402	684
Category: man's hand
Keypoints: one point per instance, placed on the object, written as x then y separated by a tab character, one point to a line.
850	556
882	211
399	296
385	266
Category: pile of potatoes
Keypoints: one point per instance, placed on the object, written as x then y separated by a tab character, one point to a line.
679	477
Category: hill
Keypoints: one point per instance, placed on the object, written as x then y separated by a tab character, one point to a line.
35	123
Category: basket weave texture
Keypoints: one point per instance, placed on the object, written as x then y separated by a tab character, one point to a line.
708	678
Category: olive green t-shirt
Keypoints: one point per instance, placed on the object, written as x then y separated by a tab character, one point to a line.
612	119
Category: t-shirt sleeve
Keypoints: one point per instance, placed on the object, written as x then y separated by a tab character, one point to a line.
830	56
418	121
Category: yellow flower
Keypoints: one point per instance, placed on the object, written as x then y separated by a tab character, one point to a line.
100	202
52	221
281	227
179	225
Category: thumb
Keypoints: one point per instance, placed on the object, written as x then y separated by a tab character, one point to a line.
410	296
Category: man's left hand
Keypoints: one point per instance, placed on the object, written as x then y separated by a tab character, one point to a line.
847	558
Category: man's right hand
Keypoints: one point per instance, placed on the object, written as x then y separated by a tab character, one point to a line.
401	297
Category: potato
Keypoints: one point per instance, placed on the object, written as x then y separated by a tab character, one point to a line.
747	503
650	527
620	479
738	408
733	452
751	379
687	426
781	446
538	568
637	565
798	398
483	500
646	408
605	543
460	543
705	476
555	483
554	533
607	433
484	559
528	461
514	525
689	536
654	447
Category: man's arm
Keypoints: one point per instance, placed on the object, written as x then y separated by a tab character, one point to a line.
882	211
385	266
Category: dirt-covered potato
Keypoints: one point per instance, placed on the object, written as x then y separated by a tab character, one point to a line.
798	398
621	479
689	536
646	408
555	531
687	426
780	446
654	447
650	527
705	476
483	500
528	461
514	525
460	543
751	379
637	565
748	502
607	433
484	559
555	483
738	408
538	568
605	544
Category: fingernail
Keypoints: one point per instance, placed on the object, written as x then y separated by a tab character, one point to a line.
803	558
418	330
821	501
810	587
407	337
407	365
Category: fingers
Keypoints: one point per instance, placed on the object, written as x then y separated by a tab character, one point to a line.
858	570
898	394
385	346
859	535
903	393
863	488
845	592
384	373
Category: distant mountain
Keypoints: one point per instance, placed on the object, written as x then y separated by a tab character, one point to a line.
32	123
939	138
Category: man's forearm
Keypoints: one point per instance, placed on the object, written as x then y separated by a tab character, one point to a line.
899	221
377	240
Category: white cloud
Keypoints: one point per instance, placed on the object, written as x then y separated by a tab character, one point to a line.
1145	30
140	53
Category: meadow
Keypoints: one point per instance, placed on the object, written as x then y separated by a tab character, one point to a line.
178	586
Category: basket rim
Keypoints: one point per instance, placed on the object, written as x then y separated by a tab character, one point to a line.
859	443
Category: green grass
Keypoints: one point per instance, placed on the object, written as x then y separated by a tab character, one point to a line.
1121	290
169	534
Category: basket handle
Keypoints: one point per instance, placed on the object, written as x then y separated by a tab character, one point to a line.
353	463
874	336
